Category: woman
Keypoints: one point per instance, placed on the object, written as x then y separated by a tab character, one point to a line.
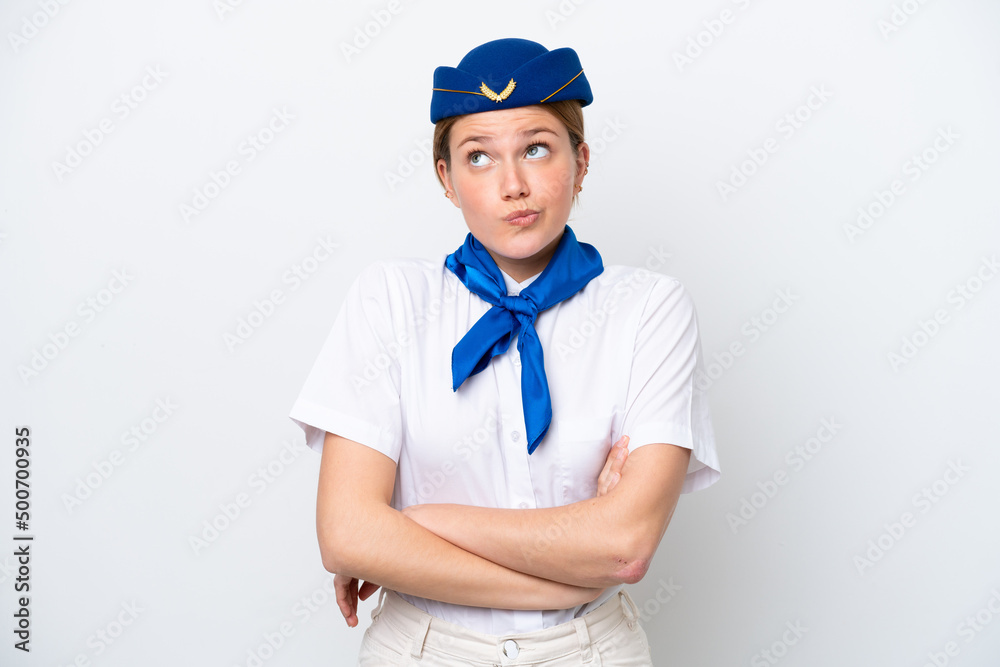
477	484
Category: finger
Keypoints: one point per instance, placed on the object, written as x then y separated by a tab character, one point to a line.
367	589
347	598
610	482
344	601
341	585
617	465
619	461
353	620
604	479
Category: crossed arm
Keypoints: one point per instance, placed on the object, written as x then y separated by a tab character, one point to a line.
512	559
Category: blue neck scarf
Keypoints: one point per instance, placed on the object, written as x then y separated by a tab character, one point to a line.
571	267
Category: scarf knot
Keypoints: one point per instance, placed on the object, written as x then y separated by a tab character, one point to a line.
520	307
572	266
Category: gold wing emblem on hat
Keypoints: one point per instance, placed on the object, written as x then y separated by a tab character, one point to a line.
504	94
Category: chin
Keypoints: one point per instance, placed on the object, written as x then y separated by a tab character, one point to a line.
522	248
518	243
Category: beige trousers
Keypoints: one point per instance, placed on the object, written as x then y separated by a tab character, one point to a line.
401	634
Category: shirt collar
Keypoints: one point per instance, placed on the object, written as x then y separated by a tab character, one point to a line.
513	287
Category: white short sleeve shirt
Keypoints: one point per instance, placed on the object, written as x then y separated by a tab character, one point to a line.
621	358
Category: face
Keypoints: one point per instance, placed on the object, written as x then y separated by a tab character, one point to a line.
513	173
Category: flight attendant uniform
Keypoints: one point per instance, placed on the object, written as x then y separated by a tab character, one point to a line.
621	357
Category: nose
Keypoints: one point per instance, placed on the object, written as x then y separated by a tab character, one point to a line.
513	185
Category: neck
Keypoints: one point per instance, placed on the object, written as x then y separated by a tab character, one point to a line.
522	269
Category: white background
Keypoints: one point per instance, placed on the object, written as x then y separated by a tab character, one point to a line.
820	550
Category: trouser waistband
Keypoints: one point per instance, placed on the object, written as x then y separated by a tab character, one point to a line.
578	635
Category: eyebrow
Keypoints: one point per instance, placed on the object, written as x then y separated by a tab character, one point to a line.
487	138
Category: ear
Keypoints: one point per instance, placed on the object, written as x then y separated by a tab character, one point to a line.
582	160
442	169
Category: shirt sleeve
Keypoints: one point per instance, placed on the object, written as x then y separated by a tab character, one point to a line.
352	389
664	402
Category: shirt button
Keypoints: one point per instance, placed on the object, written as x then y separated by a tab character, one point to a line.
523	505
515	435
510	648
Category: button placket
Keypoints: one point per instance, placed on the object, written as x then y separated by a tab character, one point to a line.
517	473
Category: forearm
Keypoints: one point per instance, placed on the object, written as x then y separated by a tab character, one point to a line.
581	544
434	568
601	541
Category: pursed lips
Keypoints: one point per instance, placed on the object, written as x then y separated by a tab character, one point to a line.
522	217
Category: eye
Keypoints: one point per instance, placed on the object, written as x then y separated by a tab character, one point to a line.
478	159
537	151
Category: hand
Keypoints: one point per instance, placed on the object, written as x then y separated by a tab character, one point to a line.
348	594
613	467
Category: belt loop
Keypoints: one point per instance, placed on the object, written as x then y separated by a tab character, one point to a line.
378	608
420	637
587	652
628	606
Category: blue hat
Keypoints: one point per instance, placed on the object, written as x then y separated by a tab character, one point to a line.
508	73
